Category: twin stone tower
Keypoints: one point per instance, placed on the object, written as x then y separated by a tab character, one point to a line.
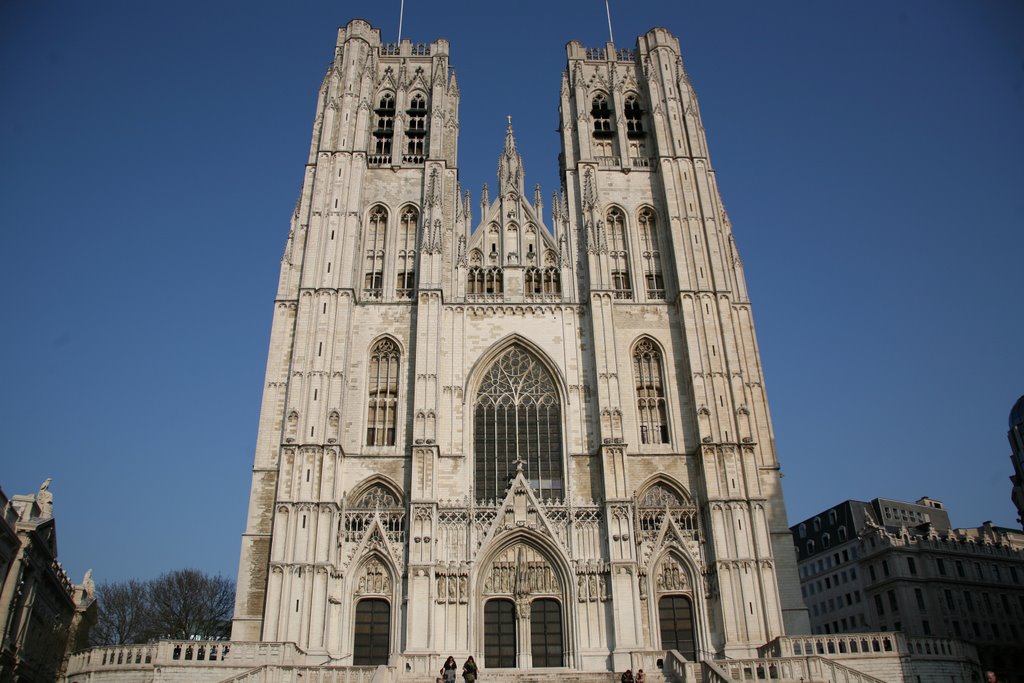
542	440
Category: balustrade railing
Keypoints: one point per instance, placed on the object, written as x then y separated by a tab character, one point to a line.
220	653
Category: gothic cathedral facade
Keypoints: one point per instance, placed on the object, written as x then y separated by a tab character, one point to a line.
542	440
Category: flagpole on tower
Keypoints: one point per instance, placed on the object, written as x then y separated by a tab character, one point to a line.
401	12
608	11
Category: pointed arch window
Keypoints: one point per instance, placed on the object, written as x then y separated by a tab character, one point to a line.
648	376
621	283
603	134
653	276
634	117
543	283
382	411
416	129
406	280
517	417
481	282
384	131
376	233
602	115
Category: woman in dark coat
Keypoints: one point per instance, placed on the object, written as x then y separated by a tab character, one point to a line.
469	670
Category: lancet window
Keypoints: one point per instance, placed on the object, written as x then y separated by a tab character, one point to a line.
406	280
416	130
384	130
601	113
517	422
634	117
619	258
382	412
648	375
543	282
653	276
484	281
376	233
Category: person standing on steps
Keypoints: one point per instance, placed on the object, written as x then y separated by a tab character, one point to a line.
640	678
469	670
450	670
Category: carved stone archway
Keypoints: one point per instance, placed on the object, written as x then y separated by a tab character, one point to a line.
516	580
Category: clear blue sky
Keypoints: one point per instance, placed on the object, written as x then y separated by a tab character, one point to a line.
869	154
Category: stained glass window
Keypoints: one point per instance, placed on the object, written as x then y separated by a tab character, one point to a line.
518	416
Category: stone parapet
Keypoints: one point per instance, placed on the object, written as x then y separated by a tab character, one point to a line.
226	657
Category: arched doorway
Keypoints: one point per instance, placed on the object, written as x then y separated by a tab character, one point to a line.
675	620
524	623
500	634
371	643
372	589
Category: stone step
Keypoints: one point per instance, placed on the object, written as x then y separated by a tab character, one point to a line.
540	676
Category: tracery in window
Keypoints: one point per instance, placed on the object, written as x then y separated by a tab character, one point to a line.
604	136
406	278
653	276
602	114
416	130
650	393
382	380
659	502
376	233
384	130
617	253
517	419
634	117
484	281
543	282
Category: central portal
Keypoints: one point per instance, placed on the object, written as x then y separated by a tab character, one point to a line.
523	604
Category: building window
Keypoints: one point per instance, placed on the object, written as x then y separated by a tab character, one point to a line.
416	130
648	377
920	598
383	394
651	254
376	233
601	112
517	422
406	280
634	117
911	566
481	281
941	566
618	254
385	129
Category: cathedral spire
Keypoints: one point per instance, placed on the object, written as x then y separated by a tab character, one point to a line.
510	165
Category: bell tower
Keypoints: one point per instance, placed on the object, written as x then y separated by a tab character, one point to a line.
657	253
365	236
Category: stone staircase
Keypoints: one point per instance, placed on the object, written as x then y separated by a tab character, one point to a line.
541	676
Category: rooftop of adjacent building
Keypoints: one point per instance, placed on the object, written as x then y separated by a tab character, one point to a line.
1017	413
900	521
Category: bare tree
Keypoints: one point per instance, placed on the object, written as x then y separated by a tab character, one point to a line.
183	604
123	614
190	604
